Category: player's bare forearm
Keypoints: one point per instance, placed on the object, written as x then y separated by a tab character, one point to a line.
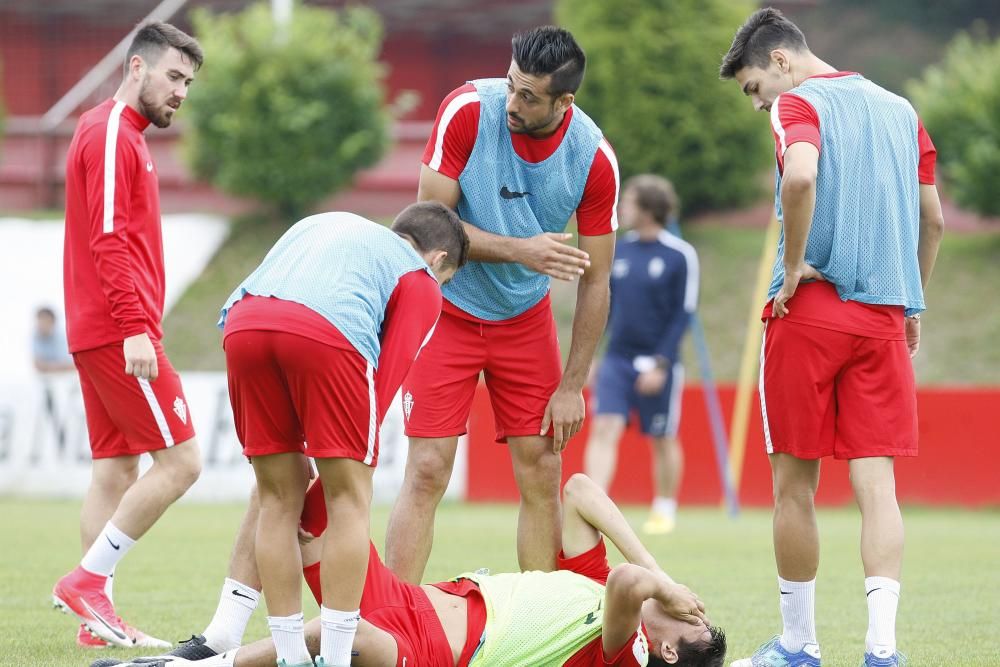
931	231
588	512
798	200
492	248
593	300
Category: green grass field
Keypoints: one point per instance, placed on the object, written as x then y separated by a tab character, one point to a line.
169	584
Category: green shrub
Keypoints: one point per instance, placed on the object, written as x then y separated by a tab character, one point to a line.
287	120
959	102
652	84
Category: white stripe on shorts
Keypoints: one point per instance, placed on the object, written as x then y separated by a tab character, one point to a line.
760	390
372	415
154	405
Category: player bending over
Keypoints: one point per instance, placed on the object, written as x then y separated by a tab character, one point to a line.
586	613
318	339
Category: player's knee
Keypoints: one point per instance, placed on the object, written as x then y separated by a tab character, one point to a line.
429	476
794	491
576	482
182	463
541	484
871	490
116	478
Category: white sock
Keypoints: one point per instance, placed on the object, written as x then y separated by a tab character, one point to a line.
339	628
236	605
109	548
109	585
798	600
288	633
883	598
665	506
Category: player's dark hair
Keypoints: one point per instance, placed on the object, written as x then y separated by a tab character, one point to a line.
711	653
431	225
46	311
154	37
548	50
655	195
766	30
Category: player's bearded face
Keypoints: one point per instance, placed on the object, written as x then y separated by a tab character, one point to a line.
153	106
164	88
530	108
520	123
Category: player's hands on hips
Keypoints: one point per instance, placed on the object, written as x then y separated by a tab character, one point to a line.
912	335
549	254
651	382
140	357
564	413
793	276
682	603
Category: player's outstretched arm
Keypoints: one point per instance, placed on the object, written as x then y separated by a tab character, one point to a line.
588	513
547	253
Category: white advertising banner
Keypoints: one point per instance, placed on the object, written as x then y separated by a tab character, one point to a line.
44	450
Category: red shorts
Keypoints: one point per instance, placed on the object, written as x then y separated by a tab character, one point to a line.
288	390
825	392
126	415
520	361
405	612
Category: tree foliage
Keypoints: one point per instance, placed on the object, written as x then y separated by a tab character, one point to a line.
287	116
959	103
652	84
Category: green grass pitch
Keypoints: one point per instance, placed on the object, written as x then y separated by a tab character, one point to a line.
169	584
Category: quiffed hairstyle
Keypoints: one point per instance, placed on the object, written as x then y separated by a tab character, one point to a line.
548	50
433	226
654	195
711	653
155	37
766	30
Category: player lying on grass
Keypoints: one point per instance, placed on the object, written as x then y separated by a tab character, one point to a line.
584	614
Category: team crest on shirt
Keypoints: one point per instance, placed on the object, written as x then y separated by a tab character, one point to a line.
180	409
407	405
640	648
656	267
620	268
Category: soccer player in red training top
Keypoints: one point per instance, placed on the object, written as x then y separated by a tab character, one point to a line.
586	614
517	159
114	285
861	225
318	339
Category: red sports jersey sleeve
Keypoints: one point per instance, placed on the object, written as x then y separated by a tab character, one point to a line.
793	119
109	228
594	564
113	274
928	156
410	317
597	213
454	133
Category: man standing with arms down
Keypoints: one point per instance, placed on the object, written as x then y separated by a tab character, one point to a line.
114	285
654	292
861	225
518	160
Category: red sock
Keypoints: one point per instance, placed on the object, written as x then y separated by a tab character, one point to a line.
313	519
311	573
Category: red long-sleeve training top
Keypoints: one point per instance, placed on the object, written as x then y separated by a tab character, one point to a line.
113	258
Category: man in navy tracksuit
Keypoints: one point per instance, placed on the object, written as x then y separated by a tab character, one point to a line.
654	290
